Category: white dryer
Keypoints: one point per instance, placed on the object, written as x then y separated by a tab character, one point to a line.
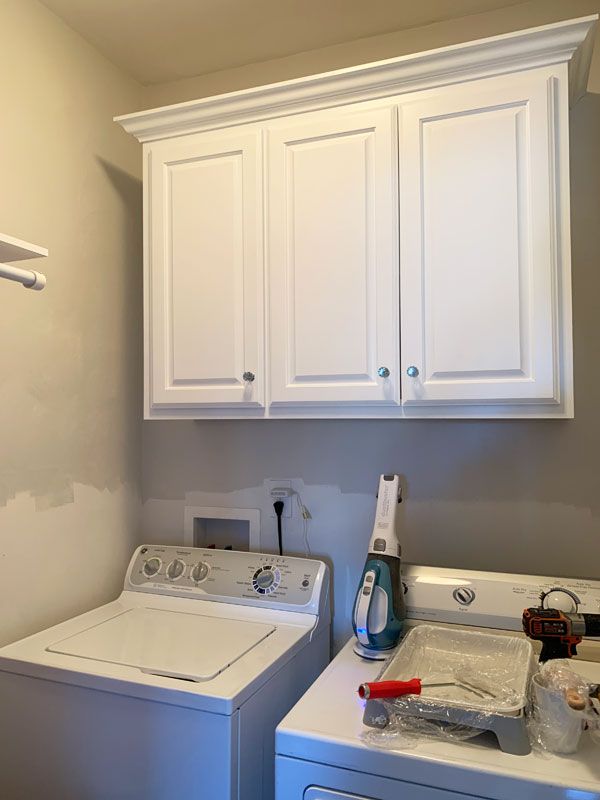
321	753
171	691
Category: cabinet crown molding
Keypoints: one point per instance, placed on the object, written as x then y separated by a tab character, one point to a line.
568	41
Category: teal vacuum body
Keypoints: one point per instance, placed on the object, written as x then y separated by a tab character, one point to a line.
379	609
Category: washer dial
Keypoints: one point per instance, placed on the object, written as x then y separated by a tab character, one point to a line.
175	569
199	572
151	566
266	579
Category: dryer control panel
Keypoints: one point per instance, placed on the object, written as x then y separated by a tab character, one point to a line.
260	579
491	599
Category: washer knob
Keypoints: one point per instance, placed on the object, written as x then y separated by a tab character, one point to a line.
175	569
265	579
199	571
151	566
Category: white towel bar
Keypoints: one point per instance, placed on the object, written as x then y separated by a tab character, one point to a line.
28	277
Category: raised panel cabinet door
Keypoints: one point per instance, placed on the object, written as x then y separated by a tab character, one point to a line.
333	260
478	244
205	301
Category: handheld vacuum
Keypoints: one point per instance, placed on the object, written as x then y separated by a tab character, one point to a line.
379	608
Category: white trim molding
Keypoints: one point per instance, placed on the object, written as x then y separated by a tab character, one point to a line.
570	41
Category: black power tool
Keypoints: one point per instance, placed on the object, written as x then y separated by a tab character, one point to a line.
558	631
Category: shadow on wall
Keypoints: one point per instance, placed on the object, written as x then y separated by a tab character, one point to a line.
130	364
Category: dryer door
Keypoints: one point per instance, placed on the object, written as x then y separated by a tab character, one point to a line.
384	791
171	643
307	780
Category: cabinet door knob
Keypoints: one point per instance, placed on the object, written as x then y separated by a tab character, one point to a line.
412	372
383	372
248	377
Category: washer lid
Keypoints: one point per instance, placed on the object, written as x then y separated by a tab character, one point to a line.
172	643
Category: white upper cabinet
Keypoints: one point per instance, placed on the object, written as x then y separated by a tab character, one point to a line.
333	259
205	307
388	240
479	242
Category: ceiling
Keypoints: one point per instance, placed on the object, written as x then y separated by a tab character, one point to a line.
163	40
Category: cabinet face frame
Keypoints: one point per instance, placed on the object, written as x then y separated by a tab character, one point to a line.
532	106
355	149
236	157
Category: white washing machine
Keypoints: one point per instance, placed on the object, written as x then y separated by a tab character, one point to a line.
171	691
320	753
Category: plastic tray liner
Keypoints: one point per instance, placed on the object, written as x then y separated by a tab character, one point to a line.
486	673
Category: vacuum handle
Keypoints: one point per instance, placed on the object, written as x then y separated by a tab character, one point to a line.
363	606
380	689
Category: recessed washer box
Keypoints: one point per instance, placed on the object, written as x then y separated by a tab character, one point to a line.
238	528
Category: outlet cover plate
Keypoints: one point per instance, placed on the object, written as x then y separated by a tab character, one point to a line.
288	502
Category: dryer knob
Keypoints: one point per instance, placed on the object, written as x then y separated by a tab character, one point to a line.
464	596
563	600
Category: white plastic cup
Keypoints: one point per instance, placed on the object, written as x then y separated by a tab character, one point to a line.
559	726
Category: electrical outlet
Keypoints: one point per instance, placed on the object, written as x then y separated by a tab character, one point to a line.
288	502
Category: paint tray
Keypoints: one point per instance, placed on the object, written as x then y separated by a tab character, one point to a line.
488	676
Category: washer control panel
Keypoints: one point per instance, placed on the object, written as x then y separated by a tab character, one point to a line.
491	599
252	578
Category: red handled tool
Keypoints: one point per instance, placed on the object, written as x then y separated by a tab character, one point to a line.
380	689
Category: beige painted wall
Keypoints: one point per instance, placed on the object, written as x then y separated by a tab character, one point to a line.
70	356
373	48
506	495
